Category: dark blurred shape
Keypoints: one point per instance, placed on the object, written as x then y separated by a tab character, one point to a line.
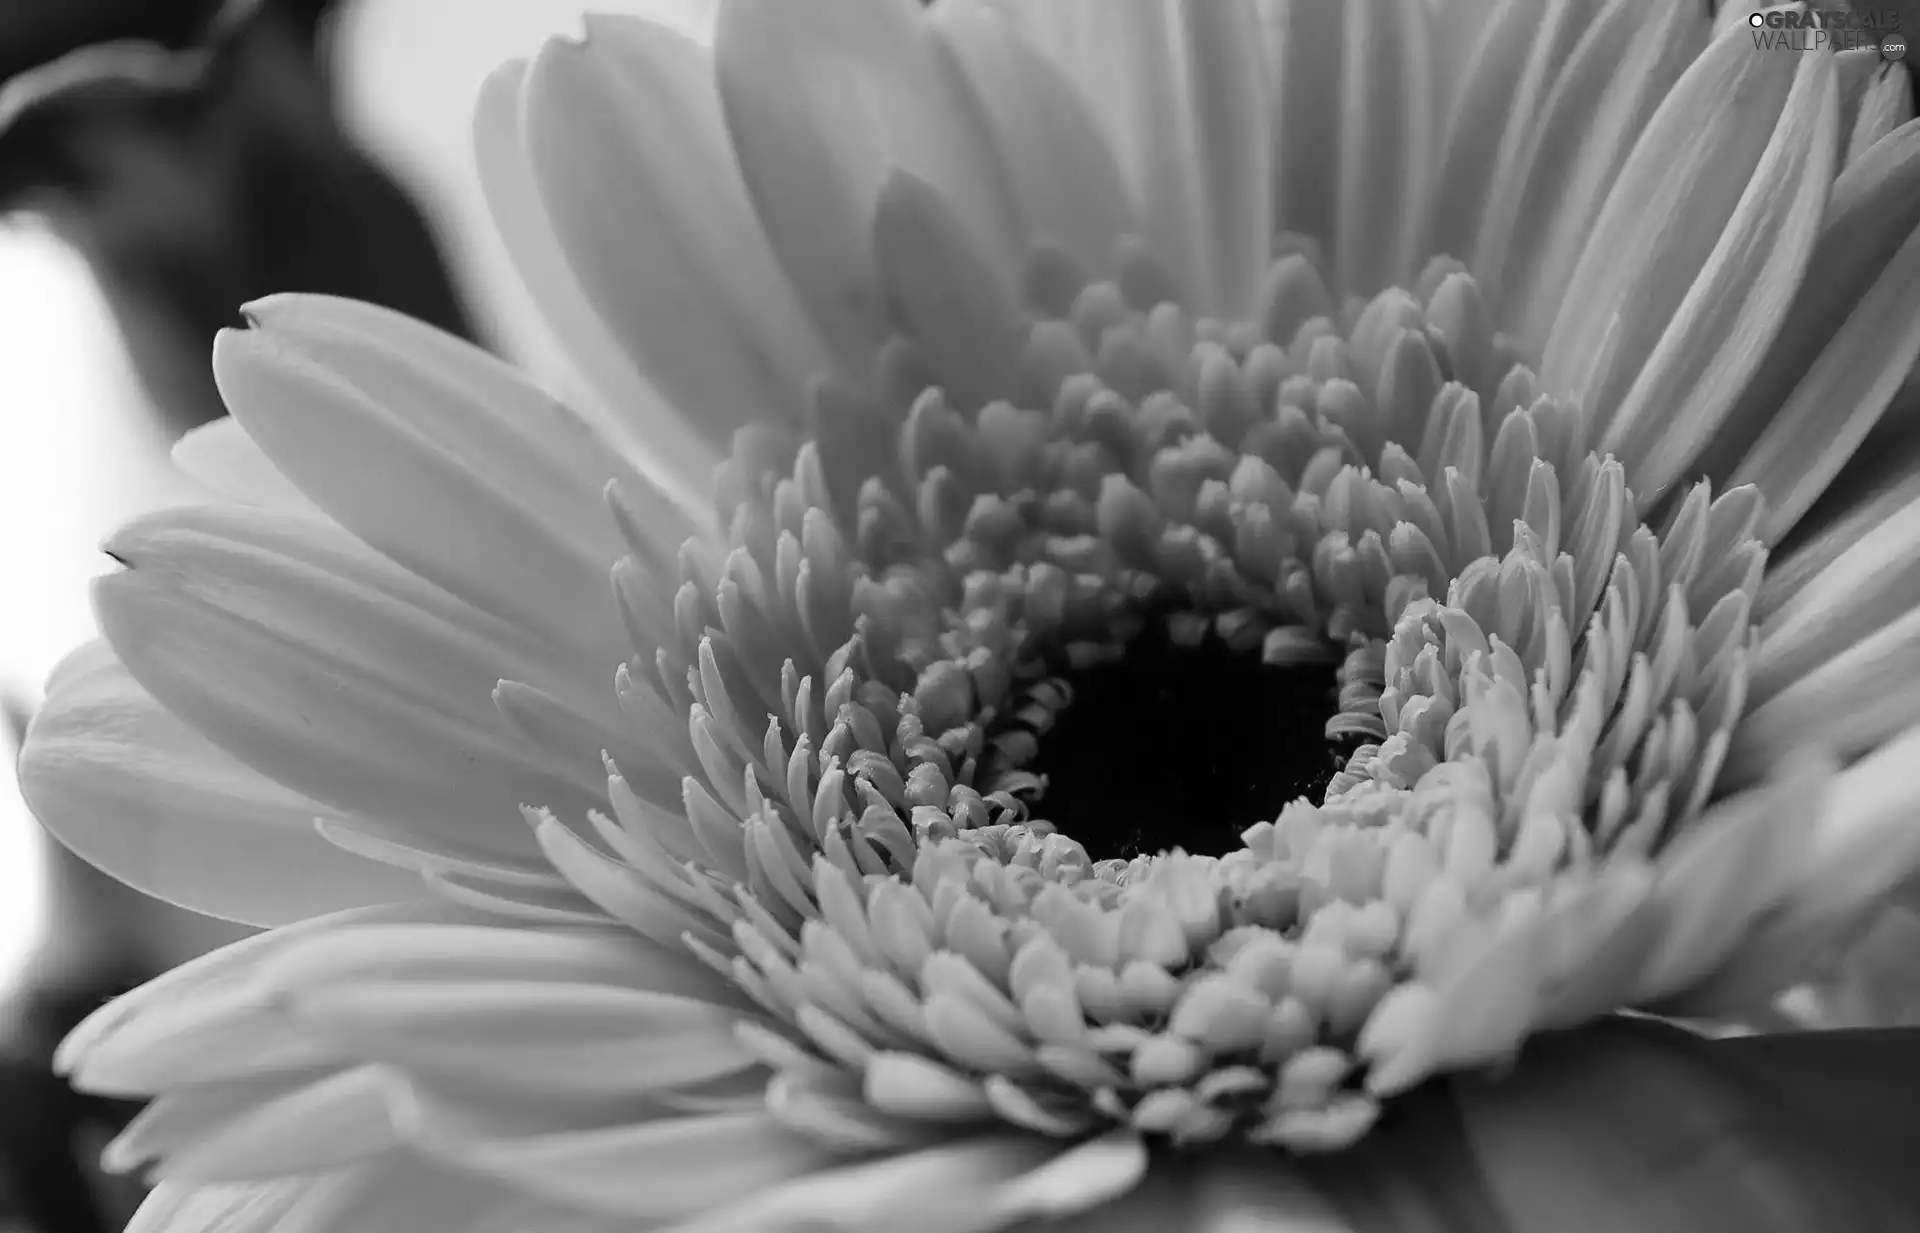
190	151
195	176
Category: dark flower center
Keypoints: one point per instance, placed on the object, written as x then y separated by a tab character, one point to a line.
1184	746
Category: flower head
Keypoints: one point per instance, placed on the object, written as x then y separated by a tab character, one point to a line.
1146	686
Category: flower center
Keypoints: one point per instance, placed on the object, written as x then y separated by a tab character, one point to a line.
1184	742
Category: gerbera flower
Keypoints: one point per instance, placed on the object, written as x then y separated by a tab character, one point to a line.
1151	698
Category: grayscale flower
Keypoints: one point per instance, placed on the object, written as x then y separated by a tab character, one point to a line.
1176	672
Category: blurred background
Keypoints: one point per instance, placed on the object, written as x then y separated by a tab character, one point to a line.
161	162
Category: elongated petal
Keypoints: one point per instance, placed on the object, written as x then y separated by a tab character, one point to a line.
325	1124
821	100
328	669
1858	374
1233	148
1614	80
115	1048
222	458
249	1207
1524	55
948	1188
1869	491
1181	90
664	1169
1481	111
549	1041
1873	211
1354	96
1885	104
940	289
1871	583
399	1194
626	400
1862	846
1851	702
442	458
1669	311
634	167
135	791
1056	160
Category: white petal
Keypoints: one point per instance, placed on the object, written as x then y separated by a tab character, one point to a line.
408	1195
1481	111
1873	488
136	1043
1837	403
1863	846
821	100
438	455
1726	871
1885	103
1847	317
684	460
1305	50
135	791
633	165
398	1195
1057	163
1233	148
959	308
1851	703
1180	88
1354	93
1873	581
330	670
552	1042
665	1169
1081	1177
451	952
1524	56
251	1207
222	458
312	1127
1616	78
1659	338
948	1188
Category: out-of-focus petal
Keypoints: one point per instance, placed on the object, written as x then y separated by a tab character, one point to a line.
1862	846
1695	258
332	671
681	458
1613	82
132	789
1836	404
664	1169
1353	96
224	460
1522	55
1058	164
1884	104
821	100
1846	317
1181	91
960	309
1871	583
442	458
631	158
948	1188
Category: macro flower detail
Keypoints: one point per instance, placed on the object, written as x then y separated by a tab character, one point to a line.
1176	664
